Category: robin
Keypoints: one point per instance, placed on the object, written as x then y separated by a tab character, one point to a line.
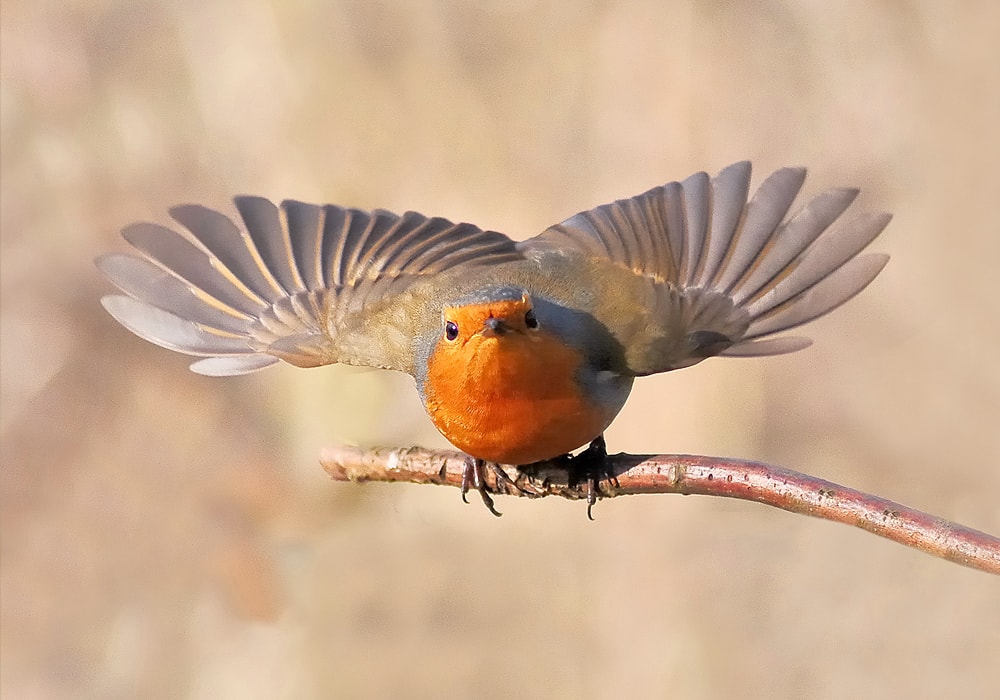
521	351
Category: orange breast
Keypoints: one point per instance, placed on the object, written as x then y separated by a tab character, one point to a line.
512	399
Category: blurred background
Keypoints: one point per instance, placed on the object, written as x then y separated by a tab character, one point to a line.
170	535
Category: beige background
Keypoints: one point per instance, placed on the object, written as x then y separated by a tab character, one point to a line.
169	535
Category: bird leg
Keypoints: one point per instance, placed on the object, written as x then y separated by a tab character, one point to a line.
592	465
474	475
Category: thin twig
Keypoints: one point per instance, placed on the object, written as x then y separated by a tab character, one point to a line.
686	474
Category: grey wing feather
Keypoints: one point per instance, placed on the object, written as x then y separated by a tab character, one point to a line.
230	246
727	273
169	330
192	264
273	243
771	346
233	365
824	296
696	211
725	201
303	222
794	237
283	285
760	220
822	258
149	283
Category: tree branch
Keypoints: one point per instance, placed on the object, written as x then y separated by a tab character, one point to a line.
686	474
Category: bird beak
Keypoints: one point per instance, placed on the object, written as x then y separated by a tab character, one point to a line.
494	327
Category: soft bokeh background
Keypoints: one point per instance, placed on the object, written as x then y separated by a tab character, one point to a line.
170	535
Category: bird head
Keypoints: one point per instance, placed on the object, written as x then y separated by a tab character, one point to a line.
505	315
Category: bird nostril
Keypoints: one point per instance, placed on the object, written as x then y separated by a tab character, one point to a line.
495	325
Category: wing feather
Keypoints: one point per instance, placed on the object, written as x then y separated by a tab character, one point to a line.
224	242
304	222
706	271
728	198
170	331
696	212
287	284
726	273
763	214
272	243
147	282
191	264
792	238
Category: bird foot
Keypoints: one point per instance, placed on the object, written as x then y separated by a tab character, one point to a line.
592	466
474	476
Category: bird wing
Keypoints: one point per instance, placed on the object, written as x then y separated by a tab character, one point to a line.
287	284
713	274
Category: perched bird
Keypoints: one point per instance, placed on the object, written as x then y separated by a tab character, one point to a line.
521	352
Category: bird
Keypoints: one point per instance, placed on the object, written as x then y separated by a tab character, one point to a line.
521	352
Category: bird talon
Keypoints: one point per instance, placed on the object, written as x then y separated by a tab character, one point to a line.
466	474
592	465
474	475
488	502
504	483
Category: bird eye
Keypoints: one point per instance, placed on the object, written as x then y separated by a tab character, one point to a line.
451	330
529	319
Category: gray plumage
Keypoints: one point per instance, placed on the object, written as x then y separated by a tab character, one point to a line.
682	272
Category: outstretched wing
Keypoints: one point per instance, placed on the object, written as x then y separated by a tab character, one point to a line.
721	275
281	286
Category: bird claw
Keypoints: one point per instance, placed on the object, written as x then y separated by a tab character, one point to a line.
474	476
592	465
